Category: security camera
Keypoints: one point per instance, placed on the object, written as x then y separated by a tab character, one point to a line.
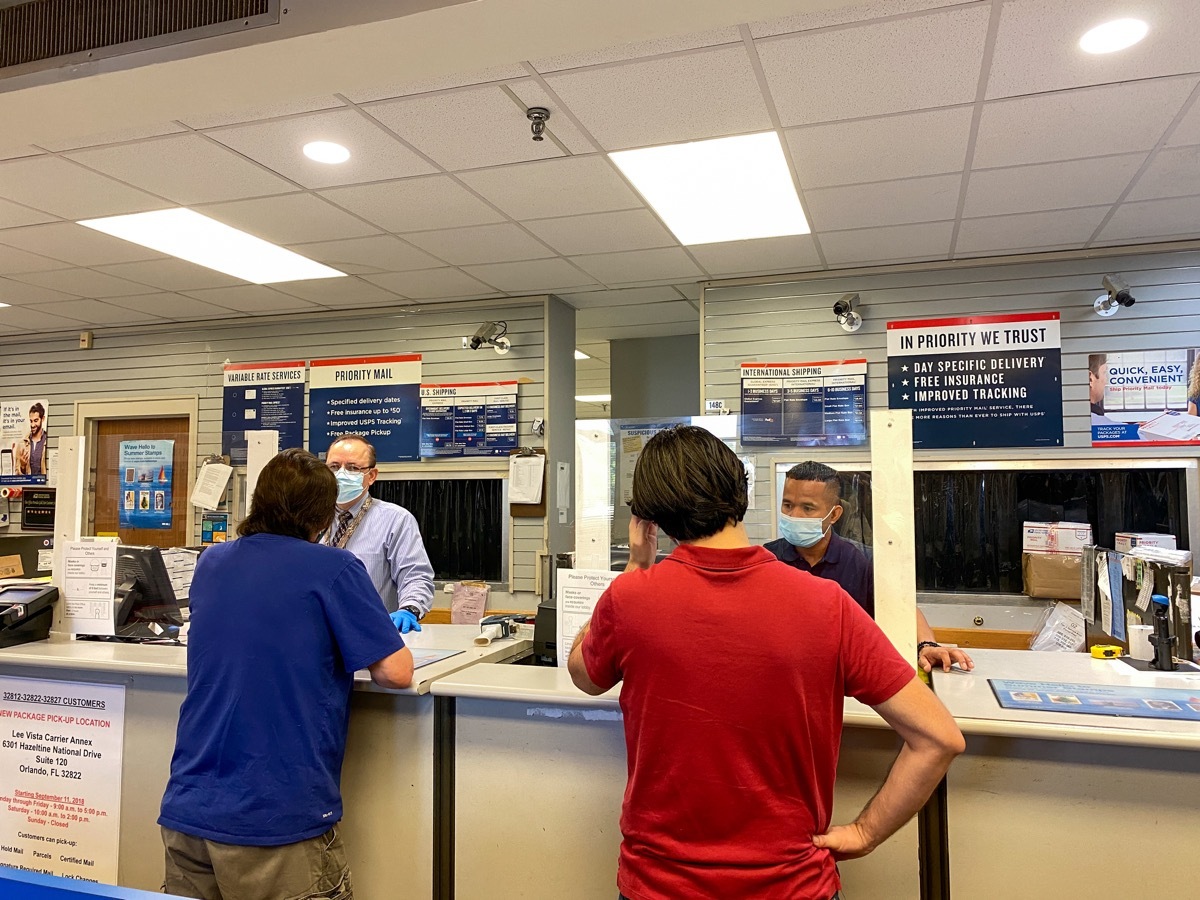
844	312
1116	295
491	334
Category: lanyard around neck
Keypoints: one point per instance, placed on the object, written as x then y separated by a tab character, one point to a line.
353	526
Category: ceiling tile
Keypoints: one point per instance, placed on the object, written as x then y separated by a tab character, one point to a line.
339	292
625	297
98	313
532	276
1188	130
35	320
631	229
843	15
1118	118
1030	230
73	192
1173	172
873	69
428	85
175	307
930	240
639	265
1049	31
75	244
765	255
638	49
13	215
85	283
560	126
1081	182
368	255
883	203
18	152
13	261
466	129
415	204
432	284
289	108
171	275
114	137
709	93
481	244
375	155
689	291
186	168
18	293
566	187
1149	219
290	219
881	149
252	299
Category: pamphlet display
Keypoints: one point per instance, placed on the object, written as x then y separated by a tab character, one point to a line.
24	454
806	404
460	420
61	745
146	471
262	395
1147	398
978	381
1098	699
378	397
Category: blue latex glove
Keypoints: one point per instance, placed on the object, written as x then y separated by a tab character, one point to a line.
404	620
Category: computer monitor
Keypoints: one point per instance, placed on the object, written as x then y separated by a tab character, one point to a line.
144	588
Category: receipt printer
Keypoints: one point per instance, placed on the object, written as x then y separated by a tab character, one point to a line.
25	612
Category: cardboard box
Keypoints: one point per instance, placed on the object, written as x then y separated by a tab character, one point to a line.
1056	537
1124	541
1052	576
10	567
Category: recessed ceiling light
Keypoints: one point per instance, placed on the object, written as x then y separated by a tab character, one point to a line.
206	242
727	189
326	152
1113	36
579	354
3	305
594	398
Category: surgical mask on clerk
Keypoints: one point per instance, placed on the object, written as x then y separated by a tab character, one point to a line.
807	513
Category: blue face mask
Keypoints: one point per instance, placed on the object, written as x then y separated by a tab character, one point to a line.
801	531
350	485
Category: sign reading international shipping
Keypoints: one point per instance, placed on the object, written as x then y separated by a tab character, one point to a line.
459	420
262	396
978	381
805	404
378	397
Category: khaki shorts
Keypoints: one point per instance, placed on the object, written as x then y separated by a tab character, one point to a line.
315	869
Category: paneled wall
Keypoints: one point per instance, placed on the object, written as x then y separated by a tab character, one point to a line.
792	320
186	360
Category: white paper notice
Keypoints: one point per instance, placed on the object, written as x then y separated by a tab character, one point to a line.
261	446
210	485
525	478
88	585
578	590
181	565
61	744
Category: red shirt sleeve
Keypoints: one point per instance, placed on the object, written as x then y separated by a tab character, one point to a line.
599	649
874	670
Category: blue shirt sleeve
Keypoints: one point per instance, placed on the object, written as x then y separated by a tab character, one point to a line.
411	570
358	619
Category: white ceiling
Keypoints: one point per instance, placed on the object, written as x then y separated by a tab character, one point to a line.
917	130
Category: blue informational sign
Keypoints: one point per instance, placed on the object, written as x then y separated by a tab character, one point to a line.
146	474
978	381
1098	699
460	420
378	397
817	404
262	397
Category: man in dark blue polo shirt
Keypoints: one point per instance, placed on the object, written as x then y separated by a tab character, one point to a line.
810	506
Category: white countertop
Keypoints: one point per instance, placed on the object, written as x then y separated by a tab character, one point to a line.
969	698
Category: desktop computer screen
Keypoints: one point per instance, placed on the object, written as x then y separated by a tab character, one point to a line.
144	591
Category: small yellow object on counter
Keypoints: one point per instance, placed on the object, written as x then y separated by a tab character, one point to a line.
1106	651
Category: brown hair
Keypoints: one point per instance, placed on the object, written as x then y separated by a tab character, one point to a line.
295	497
360	439
689	483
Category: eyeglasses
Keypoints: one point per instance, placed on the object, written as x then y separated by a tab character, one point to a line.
349	467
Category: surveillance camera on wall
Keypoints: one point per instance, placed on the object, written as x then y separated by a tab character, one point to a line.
844	312
1116	295
491	334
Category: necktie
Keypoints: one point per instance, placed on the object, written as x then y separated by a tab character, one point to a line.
339	530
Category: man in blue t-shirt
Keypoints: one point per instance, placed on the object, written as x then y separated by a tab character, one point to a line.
279	625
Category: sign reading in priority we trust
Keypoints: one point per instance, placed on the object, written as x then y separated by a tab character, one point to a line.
378	397
978	381
477	419
813	404
262	397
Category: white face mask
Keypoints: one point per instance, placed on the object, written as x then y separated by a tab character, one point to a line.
350	485
801	531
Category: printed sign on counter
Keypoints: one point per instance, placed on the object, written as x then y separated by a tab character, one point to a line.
378	397
261	396
478	419
813	404
578	592
1145	399
61	744
89	585
978	381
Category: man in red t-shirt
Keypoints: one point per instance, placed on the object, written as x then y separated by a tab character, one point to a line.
734	669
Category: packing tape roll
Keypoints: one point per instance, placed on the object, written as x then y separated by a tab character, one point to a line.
487	634
5	493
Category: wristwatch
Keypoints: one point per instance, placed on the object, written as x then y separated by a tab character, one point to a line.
415	610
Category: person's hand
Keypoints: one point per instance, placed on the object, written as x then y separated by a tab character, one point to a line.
405	621
844	842
944	657
643	544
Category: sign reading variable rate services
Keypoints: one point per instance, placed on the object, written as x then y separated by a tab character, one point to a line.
378	397
262	397
978	381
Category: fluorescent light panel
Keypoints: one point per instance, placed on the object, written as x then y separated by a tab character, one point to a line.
1113	36
579	354
594	398
727	189
326	152
206	242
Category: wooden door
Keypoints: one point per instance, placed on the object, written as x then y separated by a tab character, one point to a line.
106	477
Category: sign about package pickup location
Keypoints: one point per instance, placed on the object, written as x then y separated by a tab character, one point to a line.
378	397
978	381
60	777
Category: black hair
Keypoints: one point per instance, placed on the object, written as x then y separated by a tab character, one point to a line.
815	471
